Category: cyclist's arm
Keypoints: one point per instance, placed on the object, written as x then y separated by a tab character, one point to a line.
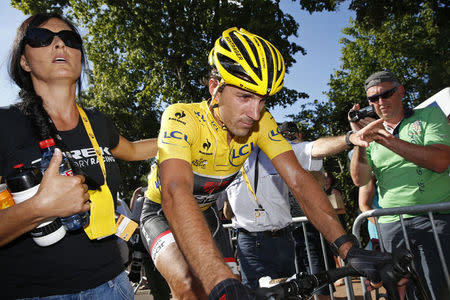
188	224
311	198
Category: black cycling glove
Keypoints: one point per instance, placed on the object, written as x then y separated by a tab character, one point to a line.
367	263
231	289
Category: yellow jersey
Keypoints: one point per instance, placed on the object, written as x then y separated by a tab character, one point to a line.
190	132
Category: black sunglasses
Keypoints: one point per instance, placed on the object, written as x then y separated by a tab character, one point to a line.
41	37
290	135
384	95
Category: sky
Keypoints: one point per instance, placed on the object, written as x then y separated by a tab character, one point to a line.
319	34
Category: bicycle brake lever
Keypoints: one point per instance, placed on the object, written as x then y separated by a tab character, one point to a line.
399	268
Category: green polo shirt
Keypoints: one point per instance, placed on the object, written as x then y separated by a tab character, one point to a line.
403	183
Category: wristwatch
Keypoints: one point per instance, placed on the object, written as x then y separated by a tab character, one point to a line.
342	240
347	138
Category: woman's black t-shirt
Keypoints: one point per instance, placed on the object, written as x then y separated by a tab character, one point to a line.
75	263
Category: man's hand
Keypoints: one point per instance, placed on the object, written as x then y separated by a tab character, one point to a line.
361	123
368	263
231	289
374	131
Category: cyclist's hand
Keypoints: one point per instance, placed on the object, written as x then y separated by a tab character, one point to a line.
231	289
368	263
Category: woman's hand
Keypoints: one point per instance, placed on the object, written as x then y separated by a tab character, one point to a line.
59	195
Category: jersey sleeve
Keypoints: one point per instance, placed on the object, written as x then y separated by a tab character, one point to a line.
177	133
270	140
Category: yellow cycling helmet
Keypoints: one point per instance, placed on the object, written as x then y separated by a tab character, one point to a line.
248	61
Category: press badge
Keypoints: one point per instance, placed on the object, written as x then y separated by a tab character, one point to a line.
260	215
125	227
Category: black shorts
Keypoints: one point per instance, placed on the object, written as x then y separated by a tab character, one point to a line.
156	233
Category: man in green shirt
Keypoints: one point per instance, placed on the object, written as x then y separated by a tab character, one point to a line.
409	154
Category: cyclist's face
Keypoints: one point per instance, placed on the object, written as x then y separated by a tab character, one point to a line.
239	109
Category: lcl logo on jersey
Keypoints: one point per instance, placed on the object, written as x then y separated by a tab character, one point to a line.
236	154
275	135
169	137
178	116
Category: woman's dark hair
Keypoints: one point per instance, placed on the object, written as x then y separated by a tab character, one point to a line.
31	104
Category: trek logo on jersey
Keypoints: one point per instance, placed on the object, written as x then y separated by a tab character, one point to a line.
88	152
275	135
178	116
171	137
236	154
87	157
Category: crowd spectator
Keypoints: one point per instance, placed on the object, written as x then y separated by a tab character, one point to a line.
409	154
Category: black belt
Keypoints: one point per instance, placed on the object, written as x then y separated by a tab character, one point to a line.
272	233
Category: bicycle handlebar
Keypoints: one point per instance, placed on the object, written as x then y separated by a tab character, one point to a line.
301	287
304	284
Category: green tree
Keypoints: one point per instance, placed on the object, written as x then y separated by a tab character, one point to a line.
146	54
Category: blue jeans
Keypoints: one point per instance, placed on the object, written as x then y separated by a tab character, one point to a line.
118	288
423	247
261	254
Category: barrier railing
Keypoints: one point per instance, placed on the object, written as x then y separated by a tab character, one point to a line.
428	209
303	221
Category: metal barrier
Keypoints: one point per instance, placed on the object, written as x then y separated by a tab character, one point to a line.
303	221
417	209
356	229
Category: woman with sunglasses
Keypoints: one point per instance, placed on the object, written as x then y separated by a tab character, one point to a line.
47	58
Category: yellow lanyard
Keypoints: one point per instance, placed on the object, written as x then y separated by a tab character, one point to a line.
244	174
101	221
247	181
90	132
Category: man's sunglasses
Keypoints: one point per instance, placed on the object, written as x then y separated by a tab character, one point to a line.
41	37
290	135
384	95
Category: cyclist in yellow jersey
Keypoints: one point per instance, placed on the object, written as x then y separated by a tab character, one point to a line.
201	147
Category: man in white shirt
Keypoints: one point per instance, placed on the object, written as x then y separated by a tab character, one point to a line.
259	199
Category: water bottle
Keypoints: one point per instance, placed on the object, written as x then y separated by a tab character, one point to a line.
135	266
23	186
76	221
